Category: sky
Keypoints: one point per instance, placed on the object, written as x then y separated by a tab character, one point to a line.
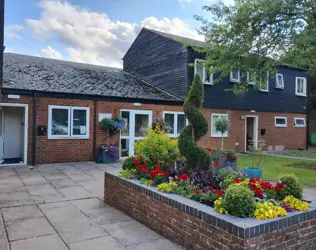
96	31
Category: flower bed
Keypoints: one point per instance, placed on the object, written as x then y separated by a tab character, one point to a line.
197	226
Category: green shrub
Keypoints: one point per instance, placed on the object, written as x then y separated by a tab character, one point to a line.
238	201
292	186
128	174
157	149
197	158
128	162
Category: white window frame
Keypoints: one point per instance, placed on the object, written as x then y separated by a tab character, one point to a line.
70	134
304	87
249	80
280	125
196	61
277	84
218	134
175	121
267	89
231	76
298	125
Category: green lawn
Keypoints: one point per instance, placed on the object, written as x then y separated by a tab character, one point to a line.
301	154
277	166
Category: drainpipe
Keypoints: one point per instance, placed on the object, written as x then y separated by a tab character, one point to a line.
34	129
309	84
94	129
1	41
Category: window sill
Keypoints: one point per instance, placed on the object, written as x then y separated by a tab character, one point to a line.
208	83
263	90
68	138
279	87
280	126
302	95
299	126
219	136
234	81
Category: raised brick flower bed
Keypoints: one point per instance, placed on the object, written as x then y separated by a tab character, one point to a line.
196	226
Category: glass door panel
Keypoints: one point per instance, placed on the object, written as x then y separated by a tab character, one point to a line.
141	125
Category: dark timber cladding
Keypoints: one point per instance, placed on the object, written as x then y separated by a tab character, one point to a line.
276	100
160	61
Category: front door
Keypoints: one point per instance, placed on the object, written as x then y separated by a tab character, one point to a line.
1	133
251	132
137	122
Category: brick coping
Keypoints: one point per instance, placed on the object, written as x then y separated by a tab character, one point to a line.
244	228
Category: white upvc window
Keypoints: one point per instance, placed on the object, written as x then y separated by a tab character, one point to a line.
264	86
300	86
66	122
280	121
176	121
299	122
279	82
235	76
249	80
214	117
199	68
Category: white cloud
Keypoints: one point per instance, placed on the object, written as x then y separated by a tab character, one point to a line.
49	52
93	37
184	1
11	31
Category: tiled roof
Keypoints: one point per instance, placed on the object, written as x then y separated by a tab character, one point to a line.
42	74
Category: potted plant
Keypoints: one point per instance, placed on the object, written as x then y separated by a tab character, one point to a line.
222	126
258	159
108	153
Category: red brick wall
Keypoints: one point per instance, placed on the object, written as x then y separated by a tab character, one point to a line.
194	233
67	150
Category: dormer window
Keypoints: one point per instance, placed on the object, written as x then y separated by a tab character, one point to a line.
199	68
279	82
235	76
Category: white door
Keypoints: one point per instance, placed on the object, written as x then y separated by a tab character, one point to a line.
137	122
1	133
12	132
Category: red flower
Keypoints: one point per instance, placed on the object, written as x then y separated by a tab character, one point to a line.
208	149
174	179
136	162
219	192
266	185
157	171
229	154
211	188
278	187
183	177
214	165
205	190
142	169
259	193
237	180
196	192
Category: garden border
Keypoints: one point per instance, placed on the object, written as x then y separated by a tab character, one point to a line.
244	229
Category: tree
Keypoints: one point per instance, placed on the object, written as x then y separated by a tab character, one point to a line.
197	157
257	36
222	126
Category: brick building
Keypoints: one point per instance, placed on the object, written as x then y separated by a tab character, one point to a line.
50	109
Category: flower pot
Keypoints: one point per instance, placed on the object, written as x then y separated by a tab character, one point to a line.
106	158
253	172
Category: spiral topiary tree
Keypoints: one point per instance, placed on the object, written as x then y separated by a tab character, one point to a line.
197	158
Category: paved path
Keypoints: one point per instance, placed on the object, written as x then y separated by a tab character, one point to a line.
292	157
59	206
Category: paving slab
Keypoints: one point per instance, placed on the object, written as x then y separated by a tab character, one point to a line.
161	244
20	213
67	182
4	244
28	228
42	189
87	205
80	177
131	232
107	242
76	192
107	215
18	198
49	242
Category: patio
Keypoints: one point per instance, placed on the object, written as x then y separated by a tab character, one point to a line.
60	206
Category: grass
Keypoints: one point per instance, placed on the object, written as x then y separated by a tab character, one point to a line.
277	166
301	154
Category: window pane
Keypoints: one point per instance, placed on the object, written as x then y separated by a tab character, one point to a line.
169	118
60	123
235	75
124	147
280	81
181	123
141	124
215	117
280	121
125	116
79	126
300	121
199	69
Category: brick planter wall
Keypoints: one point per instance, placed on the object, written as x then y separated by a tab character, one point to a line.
196	226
